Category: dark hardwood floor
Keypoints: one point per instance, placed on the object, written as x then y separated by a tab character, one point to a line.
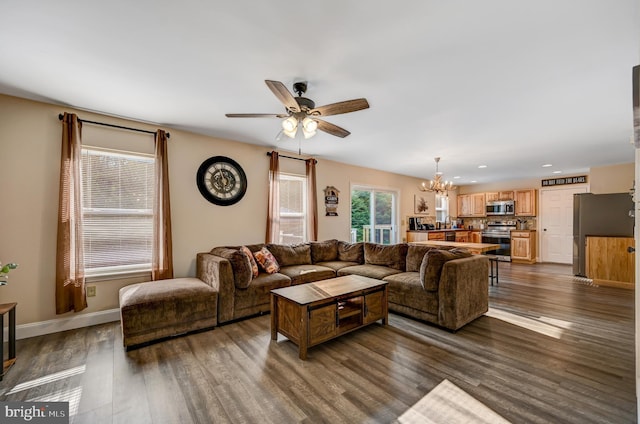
553	349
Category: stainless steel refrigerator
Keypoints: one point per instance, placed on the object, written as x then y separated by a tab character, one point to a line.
599	215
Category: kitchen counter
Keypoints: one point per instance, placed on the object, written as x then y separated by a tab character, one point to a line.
442	230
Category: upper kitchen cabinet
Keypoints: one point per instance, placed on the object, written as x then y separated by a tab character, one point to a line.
526	204
471	205
499	195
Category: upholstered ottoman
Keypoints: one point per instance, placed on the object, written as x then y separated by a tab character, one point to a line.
157	309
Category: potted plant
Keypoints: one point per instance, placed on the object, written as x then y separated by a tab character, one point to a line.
4	272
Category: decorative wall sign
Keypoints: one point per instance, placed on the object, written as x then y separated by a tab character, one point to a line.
331	197
564	181
420	205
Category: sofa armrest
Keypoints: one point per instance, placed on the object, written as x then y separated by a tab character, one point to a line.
463	292
216	271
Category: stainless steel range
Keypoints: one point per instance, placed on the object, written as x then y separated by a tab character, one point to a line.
499	232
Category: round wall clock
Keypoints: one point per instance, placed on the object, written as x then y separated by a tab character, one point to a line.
221	180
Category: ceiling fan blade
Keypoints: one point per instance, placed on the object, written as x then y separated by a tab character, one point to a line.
340	107
331	128
283	95
255	115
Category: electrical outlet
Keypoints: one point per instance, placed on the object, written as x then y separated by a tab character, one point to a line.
91	291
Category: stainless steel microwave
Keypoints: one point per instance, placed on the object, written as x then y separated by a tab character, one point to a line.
501	207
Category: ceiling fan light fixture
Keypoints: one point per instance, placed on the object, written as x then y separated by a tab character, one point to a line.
290	125
309	125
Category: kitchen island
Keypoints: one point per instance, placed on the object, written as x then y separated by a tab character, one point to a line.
475	248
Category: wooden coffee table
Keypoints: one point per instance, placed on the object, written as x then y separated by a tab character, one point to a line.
312	313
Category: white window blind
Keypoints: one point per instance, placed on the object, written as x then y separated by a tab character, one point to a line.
293	209
117	205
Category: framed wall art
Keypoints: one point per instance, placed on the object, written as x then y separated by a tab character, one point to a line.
420	205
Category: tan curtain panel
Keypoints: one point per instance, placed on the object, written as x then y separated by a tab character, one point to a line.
273	202
70	287
162	260
312	200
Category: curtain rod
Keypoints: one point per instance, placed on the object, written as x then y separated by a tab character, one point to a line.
291	157
60	116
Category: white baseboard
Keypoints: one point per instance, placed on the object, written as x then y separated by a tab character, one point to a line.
33	329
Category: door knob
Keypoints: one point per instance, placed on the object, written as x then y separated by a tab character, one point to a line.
631	249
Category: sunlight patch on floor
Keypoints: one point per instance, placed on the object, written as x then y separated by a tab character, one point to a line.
71	395
544	325
47	379
448	404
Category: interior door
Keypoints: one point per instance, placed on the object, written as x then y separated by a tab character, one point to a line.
556	224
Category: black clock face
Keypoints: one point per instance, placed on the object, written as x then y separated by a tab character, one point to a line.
221	180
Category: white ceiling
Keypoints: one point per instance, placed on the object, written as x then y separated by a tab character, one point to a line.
508	84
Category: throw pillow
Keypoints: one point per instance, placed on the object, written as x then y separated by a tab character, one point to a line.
267	261
254	266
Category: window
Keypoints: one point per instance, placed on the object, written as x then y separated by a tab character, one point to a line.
442	207
373	214
293	209
117	207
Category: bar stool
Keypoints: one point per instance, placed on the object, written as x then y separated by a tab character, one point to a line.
493	268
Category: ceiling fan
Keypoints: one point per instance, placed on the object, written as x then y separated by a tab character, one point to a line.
301	111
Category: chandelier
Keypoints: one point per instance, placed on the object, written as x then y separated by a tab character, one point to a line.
437	184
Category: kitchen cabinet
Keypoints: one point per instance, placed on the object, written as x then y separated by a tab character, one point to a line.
417	236
523	246
438	235
462	236
476	236
525	202
499	195
472	205
609	262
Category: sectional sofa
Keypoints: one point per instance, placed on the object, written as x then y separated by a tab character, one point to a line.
444	286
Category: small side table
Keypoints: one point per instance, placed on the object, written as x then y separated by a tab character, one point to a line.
6	364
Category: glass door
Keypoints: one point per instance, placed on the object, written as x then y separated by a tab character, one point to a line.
373	215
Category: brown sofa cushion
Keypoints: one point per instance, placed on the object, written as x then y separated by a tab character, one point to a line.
415	255
300	274
432	264
242	272
351	252
372	271
394	256
287	255
324	251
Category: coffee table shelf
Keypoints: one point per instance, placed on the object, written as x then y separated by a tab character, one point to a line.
310	314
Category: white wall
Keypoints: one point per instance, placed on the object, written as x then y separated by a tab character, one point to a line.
30	136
